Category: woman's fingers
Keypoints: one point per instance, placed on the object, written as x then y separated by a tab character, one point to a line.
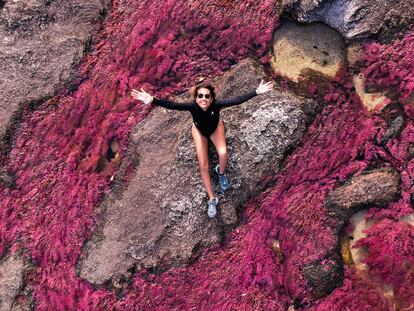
143	96
262	83
137	94
264	87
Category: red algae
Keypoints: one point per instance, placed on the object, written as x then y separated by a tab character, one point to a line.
389	67
390	246
162	46
357	293
165	47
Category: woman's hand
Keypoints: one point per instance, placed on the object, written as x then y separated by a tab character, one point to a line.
264	87
143	96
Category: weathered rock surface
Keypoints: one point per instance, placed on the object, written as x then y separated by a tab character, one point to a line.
41	44
300	51
162	211
11	280
353	18
374	188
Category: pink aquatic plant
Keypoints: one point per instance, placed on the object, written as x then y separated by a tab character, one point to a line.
389	67
165	47
390	258
357	293
162	46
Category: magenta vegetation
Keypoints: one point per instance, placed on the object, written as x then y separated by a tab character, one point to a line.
391	259
390	67
164	46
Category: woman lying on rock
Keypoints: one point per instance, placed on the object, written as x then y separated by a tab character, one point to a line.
207	124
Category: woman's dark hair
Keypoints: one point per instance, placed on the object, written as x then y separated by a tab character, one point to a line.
205	86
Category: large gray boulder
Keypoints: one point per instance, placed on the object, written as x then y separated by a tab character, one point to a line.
161	213
41	45
353	18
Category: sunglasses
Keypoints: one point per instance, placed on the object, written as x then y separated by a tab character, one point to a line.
201	95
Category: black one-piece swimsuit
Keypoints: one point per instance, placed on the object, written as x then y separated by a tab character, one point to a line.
205	121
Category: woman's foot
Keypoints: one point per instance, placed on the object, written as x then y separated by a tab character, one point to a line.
212	207
224	183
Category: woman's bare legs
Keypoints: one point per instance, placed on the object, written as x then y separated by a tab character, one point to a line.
201	143
219	140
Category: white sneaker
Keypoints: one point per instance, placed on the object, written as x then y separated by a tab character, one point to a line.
212	207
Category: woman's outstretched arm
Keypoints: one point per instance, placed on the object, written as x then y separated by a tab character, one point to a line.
261	89
147	99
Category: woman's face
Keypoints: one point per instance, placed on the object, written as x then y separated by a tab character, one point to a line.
203	98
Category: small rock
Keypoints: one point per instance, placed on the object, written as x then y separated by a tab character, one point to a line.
373	188
359	224
388	292
324	276
7	180
395	116
409	218
372	101
276	249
